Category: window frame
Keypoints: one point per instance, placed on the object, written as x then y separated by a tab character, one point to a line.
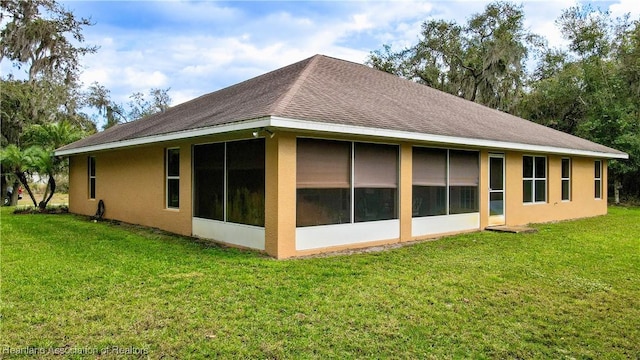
566	179
597	179
463	192
352	206
534	179
225	177
169	177
359	190
91	177
196	211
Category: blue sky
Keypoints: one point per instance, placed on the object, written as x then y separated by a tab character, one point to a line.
198	47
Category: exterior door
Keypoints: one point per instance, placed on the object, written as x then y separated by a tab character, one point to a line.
496	189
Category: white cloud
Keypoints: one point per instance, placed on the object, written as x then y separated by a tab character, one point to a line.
540	18
140	79
623	7
198	47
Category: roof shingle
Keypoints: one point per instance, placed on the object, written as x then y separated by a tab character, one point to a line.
328	90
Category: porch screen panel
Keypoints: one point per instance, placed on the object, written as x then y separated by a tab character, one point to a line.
246	182
375	182
429	167
429	182
208	181
376	166
323	164
323	177
464	175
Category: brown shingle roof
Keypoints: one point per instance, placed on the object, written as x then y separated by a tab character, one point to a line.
332	91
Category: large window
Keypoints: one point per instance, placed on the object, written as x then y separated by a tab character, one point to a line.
323	176
245	182
598	179
229	181
375	182
566	179
429	182
173	177
463	182
444	182
208	181
534	179
91	166
343	182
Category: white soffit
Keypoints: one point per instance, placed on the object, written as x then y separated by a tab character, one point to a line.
179	135
294	124
441	139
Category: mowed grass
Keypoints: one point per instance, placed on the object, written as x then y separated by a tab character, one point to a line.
572	290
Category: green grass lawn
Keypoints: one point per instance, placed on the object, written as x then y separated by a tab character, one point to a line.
572	290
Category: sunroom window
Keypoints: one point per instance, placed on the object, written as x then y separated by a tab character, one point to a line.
463	182
342	182
229	181
375	182
323	182
429	182
444	182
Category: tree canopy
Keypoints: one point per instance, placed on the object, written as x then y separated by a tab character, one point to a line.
482	60
44	111
590	88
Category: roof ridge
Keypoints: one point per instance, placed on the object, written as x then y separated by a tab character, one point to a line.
281	104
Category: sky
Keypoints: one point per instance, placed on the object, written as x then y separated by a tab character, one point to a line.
196	47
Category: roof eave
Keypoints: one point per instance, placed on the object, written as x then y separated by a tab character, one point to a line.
279	122
305	125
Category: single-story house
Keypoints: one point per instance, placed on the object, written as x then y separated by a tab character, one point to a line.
327	154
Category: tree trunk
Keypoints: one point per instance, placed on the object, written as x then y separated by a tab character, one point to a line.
617	185
23	179
3	184
13	201
52	187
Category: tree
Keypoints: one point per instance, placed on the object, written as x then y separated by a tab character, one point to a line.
592	88
40	34
139	106
38	158
42	141
482	61
99	97
46	40
18	163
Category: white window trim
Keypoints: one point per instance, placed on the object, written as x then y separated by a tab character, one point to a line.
534	178
91	159
167	178
567	179
598	179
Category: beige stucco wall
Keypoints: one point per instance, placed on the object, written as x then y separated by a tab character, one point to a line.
406	191
280	193
131	182
582	203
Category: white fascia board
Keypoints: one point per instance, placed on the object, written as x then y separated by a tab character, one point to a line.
285	123
180	135
294	124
